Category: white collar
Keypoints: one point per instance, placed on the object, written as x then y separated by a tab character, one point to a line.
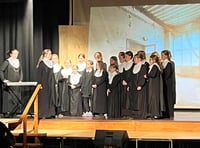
48	62
75	78
111	76
128	65
164	63
14	62
56	68
98	73
137	67
151	66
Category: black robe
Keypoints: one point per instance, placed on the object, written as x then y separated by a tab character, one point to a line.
114	106
75	98
155	99
65	97
46	95
126	95
86	87
58	90
11	95
168	89
138	98
173	82
99	100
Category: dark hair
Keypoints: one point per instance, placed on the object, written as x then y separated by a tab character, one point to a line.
81	55
99	55
101	65
138	55
121	54
142	53
115	59
114	66
167	53
90	61
10	51
129	53
156	59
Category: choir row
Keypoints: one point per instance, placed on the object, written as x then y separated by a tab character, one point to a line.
133	88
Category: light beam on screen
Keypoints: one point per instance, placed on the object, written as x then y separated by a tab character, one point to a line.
153	28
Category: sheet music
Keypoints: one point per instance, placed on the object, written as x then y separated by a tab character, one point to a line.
21	83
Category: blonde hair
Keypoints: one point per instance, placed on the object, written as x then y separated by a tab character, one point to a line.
44	52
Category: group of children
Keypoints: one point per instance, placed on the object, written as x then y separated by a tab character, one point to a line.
133	88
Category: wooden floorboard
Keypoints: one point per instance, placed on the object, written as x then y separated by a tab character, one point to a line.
185	125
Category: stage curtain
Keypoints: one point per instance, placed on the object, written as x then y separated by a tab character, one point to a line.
31	26
16	32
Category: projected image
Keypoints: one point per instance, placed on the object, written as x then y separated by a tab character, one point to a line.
153	28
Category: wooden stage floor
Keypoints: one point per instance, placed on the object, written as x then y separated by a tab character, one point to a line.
185	125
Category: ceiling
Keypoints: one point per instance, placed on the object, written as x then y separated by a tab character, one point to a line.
172	16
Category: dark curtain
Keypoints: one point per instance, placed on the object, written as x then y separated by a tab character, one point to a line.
48	14
16	32
30	26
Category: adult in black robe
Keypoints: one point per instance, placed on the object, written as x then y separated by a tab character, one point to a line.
114	106
100	80
11	71
45	77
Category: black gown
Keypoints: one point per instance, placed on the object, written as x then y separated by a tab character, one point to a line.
126	95
114	106
168	88
138	97
86	89
11	95
75	95
155	93
99	101
58	90
46	95
65	97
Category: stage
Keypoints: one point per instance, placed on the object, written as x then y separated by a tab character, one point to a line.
184	126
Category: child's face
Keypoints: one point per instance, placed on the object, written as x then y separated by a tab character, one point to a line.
163	56
112	61
81	59
48	55
121	59
74	69
54	59
67	64
112	69
127	58
137	60
88	65
151	61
